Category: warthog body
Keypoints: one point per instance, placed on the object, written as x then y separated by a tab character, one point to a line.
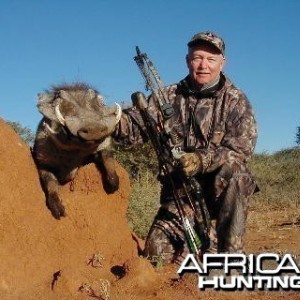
74	131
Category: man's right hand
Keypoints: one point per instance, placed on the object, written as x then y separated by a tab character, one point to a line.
191	163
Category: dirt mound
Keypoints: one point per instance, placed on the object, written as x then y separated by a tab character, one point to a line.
42	258
91	254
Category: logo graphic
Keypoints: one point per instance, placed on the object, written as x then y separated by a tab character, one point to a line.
266	271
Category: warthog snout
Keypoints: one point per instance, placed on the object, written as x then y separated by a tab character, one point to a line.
96	132
92	133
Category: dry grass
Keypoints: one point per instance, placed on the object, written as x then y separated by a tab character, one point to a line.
277	175
278	178
143	204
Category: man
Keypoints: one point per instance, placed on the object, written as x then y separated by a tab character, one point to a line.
215	125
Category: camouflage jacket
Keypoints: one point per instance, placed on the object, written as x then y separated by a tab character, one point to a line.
218	123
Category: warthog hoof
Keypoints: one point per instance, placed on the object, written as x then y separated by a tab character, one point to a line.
111	184
56	207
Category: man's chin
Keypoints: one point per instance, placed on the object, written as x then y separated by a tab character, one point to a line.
202	82
202	79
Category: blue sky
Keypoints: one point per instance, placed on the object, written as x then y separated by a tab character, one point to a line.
47	42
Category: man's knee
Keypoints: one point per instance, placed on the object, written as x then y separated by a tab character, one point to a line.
158	248
237	177
161	247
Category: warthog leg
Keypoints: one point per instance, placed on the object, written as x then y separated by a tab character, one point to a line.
51	188
106	165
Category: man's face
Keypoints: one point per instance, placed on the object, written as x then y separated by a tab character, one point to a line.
204	63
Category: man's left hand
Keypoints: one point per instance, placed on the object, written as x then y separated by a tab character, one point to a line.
191	163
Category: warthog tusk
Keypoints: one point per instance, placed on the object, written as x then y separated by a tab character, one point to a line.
59	116
118	113
105	144
49	129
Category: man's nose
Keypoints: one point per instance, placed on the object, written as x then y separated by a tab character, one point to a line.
203	63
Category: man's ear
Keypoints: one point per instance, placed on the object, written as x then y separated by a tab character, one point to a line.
187	60
223	63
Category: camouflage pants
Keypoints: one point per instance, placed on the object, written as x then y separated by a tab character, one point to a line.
226	194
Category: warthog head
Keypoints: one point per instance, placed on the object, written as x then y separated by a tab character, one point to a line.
80	110
75	130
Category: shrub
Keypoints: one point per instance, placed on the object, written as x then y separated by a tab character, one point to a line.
143	203
24	132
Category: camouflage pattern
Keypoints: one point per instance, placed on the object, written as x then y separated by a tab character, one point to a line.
219	125
208	37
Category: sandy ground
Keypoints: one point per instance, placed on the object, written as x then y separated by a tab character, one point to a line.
91	253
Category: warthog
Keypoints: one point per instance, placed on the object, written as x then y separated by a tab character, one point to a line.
74	131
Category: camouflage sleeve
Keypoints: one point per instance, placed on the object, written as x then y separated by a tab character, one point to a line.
131	129
237	141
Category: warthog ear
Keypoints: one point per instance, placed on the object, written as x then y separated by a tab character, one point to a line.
46	105
66	95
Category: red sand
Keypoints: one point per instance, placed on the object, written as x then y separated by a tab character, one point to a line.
89	254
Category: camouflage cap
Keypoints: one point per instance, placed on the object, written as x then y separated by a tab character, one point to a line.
208	37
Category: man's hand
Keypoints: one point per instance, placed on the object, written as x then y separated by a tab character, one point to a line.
191	163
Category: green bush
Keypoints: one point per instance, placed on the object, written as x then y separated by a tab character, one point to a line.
24	132
143	203
141	163
137	159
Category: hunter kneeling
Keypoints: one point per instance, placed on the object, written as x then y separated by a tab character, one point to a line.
214	125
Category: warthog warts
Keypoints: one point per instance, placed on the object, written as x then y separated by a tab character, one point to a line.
75	130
